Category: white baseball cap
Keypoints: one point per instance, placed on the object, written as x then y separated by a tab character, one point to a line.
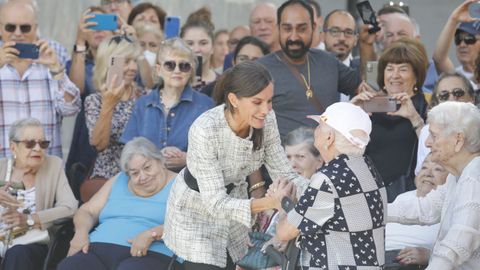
345	117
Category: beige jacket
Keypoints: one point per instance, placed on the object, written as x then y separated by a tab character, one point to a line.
53	195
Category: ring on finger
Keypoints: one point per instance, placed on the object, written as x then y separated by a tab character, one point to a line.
139	252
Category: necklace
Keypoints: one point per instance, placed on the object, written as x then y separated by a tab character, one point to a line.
308	92
164	103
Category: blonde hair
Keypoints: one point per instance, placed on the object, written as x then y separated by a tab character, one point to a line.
117	45
148	28
178	47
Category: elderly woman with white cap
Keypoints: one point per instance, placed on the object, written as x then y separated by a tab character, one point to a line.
340	217
454	141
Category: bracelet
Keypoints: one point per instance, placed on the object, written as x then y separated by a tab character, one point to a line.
56	72
256	186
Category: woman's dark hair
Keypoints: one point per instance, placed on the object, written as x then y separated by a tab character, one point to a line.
140	8
467	86
246	79
403	51
253	41
201	18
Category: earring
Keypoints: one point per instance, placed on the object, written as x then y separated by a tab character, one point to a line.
415	89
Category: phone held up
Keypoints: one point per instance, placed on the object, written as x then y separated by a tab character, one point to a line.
474	10
380	104
368	16
27	50
198	70
107	22
115	67
371	73
172	27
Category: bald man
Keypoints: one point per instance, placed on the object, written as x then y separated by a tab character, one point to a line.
263	24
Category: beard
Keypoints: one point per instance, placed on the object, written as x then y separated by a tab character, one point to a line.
296	53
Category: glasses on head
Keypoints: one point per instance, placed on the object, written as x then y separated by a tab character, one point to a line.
31	143
118	39
24	28
108	3
182	66
444	95
468	39
334	31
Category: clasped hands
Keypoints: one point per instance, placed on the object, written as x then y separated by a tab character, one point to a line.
281	188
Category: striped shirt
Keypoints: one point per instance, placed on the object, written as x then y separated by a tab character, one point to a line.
35	94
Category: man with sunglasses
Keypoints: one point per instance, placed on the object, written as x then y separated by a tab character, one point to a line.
464	32
31	87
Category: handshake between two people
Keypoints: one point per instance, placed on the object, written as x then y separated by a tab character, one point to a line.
280	189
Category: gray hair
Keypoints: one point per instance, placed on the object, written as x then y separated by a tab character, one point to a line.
18	126
139	146
344	146
302	135
458	117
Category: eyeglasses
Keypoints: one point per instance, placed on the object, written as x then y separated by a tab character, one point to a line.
31	143
468	39
24	28
107	3
118	39
334	31
445	94
182	66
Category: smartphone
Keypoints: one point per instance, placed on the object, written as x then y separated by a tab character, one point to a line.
104	22
115	67
368	16
198	71
27	50
474	10
172	27
371	73
381	104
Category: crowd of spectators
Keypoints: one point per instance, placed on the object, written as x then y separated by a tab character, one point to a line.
187	144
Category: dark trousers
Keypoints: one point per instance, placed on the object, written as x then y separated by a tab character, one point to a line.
104	256
201	266
25	257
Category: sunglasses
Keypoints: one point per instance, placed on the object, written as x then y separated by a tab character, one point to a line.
468	39
118	39
24	28
445	94
182	66
31	143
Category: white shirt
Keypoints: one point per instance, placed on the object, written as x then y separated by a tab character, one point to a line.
346	62
456	205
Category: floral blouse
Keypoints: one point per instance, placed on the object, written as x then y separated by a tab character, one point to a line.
107	163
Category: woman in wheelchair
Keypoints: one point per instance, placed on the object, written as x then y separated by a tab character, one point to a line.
130	212
34	193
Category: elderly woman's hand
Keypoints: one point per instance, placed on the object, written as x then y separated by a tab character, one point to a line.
111	93
276	243
141	243
366	92
7	200
79	242
414	255
281	188
13	218
174	157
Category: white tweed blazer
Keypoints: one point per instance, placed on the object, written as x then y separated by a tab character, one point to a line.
201	226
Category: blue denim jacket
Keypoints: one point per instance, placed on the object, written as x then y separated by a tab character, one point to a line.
148	119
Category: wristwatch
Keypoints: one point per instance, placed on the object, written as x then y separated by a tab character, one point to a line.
30	221
80	48
287	204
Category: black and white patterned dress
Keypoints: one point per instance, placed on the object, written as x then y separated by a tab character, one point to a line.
341	216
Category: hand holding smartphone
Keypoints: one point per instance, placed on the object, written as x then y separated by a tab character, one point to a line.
27	50
368	16
103	22
371	74
115	67
474	10
380	104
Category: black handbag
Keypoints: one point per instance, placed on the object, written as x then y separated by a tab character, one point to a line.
404	183
255	259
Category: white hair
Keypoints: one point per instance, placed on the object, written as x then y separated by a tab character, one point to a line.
18	126
458	117
344	146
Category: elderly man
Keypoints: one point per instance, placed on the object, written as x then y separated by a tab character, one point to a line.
340	217
455	144
262	24
306	80
29	87
465	34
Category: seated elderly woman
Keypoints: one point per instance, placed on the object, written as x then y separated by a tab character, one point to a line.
412	244
165	115
342	209
130	212
301	152
454	141
450	86
41	196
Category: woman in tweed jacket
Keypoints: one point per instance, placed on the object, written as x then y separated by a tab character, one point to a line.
209	227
